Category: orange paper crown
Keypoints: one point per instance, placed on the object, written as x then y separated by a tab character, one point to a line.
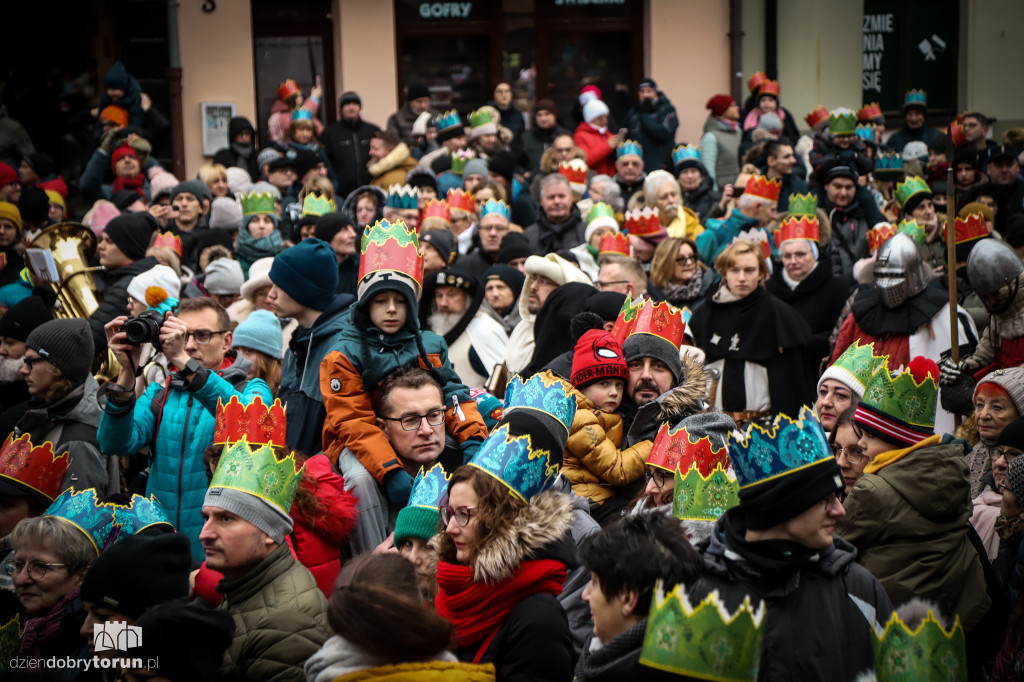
956	132
461	200
869	112
970	228
756	80
437	209
641	222
613	242
287	89
170	241
575	171
34	467
768	88
761	186
674	450
816	116
878	235
255	423
662	319
802	227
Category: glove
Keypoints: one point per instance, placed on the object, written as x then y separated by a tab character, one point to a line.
949	372
398	484
112	139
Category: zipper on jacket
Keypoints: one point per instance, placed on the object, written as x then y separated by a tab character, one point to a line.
181	462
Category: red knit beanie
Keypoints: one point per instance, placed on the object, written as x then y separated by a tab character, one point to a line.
598	355
719	103
7	174
123	150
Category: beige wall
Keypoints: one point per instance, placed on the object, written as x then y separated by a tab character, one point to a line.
365	43
688	71
216	66
990	59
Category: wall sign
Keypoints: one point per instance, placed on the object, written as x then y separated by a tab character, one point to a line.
446	10
216	116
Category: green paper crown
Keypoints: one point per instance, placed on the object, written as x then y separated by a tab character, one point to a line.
696	498
842	121
706	642
317	204
10	641
460	158
258	472
257	203
480	117
902	397
601	210
909	188
909	227
803	204
926	653
856	366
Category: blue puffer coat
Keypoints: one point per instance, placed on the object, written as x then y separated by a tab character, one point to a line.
177	475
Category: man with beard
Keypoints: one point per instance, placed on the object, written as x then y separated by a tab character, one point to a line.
559	225
476	341
241	151
15	326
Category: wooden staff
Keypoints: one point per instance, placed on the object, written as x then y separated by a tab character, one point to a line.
954	347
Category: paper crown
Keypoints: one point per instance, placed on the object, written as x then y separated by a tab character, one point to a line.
816	116
969	229
857	364
541	393
879	234
447	120
642	221
479	118
575	171
917	98
317	204
255	423
758	238
513	460
909	227
699	497
460	158
614	242
260	473
955	131
33	466
661	319
169	240
497	207
302	115
685	156
10	640
287	89
84	511
763	188
461	200
842	121
601	214
800	227
629	147
911	187
403	197
436	208
763	454
626	318
429	488
929	652
388	246
257	203
704	642
901	403
803	205
139	514
755	80
888	166
869	112
768	87
864	132
677	450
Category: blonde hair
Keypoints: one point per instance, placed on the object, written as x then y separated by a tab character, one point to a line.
728	256
317	183
212	172
663	262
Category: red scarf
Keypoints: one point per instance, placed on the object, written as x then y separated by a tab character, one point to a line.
477	609
133	183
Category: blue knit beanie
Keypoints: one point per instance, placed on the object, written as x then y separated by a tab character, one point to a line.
261	331
308	272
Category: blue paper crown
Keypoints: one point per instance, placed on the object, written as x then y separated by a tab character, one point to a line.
84	511
864	132
514	461
141	513
537	393
402	197
629	147
789	445
302	115
448	119
429	488
889	161
916	97
685	152
499	207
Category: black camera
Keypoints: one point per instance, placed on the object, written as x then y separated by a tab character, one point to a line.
144	328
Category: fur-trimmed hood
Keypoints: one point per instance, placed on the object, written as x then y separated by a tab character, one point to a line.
393	160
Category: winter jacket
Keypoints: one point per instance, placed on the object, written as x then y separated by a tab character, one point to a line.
401	122
115	298
232	156
619	659
317	542
13	264
703	199
1002	340
532	144
600	156
92	184
547	237
393	168
347	144
342	661
176	422
720	151
653	124
825	152
511	118
849	243
902	137
281	118
908	517
718	234
280	620
581	527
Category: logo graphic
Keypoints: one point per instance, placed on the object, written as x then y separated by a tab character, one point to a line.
116	635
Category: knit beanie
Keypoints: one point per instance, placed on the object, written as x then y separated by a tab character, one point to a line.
257	511
41	163
116	114
512	277
56	198
261	331
266	156
197	188
593	109
117	77
138	572
131	233
649	346
225	213
544	104
1015	479
238	180
119	153
418	91
224	277
514	245
330	224
718	104
475	167
770	122
1010	382
186	638
606	304
504	164
9	211
124	198
597	356
442	241
416	522
65	344
24	316
154	286
1012	434
308	272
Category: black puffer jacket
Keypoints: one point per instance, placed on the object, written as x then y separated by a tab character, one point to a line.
347	144
547	237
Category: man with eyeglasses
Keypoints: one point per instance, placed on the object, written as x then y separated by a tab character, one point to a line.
176	421
487	238
621	274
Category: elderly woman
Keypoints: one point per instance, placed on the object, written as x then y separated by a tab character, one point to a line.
662	191
677	272
998	400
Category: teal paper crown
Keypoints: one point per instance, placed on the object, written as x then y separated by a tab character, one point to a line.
629	147
916	98
889	161
685	152
429	488
541	395
140	514
448	119
789	445
402	197
864	132
84	511
514	461
499	207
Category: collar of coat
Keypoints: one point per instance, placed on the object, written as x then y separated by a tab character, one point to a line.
886	458
393	159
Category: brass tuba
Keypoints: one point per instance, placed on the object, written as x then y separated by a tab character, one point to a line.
73	245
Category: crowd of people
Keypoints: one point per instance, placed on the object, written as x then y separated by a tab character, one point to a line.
491	395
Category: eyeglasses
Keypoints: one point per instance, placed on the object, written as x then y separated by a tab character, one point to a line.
659	476
830	500
37	570
799	255
411	422
604	285
462	515
31	362
686	260
203	336
854	454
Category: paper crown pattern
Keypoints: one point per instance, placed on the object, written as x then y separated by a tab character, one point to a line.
614	242
513	460
540	393
317	204
677	450
816	116
706	642
763	188
842	121
888	166
255	423
480	118
909	227
84	511
762	454
138	515
929	652
768	87
438	209
755	80
169	240
857	364
388	246
910	188
259	472
642	221
403	197
915	97
901	403
496	207
661	319
627	316
33	466
700	497
800	227
287	89
878	235
955	131
461	200
447	120
970	228
869	112
302	115
685	156
864	132
803	205
601	214
257	203
460	158
575	171
628	148
429	488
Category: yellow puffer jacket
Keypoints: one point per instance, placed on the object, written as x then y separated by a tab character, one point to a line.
431	670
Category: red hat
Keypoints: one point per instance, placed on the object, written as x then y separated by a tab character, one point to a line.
124	150
7	174
719	103
598	355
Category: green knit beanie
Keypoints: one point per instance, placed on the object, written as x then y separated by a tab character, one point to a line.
416	522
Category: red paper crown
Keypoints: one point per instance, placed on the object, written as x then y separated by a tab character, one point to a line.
803	227
677	450
170	241
970	228
461	200
35	467
956	133
768	88
576	173
879	234
613	242
756	80
287	89
436	209
641	222
869	112
662	319
626	318
255	423
761	186
816	116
